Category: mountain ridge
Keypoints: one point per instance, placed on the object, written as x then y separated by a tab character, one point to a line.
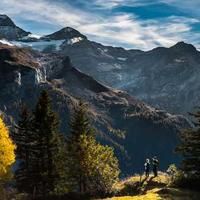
110	110
80	68
8	29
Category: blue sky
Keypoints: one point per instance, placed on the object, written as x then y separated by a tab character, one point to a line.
141	24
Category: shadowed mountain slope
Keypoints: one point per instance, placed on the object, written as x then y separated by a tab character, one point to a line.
25	73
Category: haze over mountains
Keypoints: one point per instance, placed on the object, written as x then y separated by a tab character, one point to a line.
70	67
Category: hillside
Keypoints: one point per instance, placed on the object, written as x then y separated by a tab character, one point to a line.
151	189
26	73
166	78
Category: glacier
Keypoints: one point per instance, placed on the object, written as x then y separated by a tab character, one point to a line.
40	45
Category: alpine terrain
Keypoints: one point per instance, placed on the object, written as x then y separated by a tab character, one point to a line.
71	67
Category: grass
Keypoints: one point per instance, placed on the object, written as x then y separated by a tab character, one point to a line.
150	195
150	189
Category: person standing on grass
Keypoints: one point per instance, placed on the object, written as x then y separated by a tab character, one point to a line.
147	167
155	164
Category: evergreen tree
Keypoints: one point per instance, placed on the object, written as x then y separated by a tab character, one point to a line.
26	152
50	147
93	168
190	149
41	150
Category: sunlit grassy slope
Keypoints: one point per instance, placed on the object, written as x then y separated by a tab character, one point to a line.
152	189
150	195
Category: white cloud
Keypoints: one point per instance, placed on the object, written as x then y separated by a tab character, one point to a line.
130	31
109	4
116	29
42	10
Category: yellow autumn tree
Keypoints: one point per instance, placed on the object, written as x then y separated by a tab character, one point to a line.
7	150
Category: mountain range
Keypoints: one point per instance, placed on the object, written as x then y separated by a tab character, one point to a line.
71	67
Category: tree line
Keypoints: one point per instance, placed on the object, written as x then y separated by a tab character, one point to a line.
50	162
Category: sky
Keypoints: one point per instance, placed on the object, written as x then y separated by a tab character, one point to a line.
132	24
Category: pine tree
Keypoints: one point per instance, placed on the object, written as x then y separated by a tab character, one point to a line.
26	152
190	149
50	146
41	150
93	168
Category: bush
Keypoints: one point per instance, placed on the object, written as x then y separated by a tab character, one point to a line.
179	178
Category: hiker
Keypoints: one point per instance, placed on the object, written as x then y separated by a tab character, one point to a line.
155	164
147	167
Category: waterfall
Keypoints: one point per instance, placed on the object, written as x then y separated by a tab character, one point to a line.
18	78
40	76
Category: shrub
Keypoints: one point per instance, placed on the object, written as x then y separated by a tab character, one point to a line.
179	178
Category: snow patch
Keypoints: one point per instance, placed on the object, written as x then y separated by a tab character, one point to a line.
179	60
3	41
32	36
74	40
121	59
41	45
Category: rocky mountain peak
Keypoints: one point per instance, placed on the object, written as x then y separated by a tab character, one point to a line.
182	46
6	21
65	34
9	31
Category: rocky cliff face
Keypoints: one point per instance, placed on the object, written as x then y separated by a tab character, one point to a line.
8	30
166	78
24	73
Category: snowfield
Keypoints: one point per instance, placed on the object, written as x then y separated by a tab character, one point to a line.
41	45
3	41
74	40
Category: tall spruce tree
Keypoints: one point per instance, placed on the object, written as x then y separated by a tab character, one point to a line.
41	150
50	147
93	168
190	149
25	152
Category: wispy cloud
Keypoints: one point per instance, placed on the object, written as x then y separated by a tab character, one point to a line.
191	6
129	31
117	28
43	10
115	3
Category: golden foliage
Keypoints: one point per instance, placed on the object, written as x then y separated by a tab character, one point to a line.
7	148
